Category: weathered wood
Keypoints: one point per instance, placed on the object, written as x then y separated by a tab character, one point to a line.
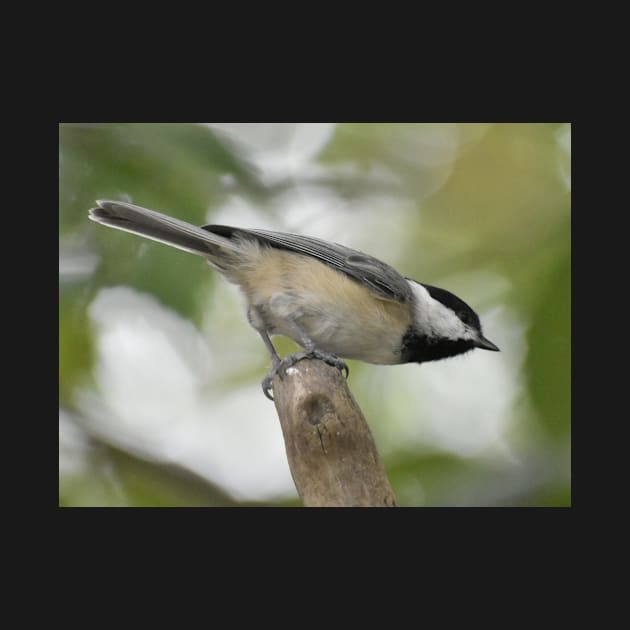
330	448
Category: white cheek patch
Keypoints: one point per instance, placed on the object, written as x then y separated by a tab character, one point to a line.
436	319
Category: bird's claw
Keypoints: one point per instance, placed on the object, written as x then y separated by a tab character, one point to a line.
267	386
331	359
292	359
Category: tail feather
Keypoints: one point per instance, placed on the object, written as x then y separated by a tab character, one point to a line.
160	227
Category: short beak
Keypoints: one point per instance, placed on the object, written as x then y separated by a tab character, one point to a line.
484	343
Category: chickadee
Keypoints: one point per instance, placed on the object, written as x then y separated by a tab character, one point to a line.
332	300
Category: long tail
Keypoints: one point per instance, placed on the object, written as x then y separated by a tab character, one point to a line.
162	228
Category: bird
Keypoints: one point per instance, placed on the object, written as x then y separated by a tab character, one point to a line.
335	302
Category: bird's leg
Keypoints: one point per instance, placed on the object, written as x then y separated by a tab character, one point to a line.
311	352
276	362
257	320
275	359
278	365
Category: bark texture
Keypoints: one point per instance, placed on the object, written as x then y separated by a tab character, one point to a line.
330	448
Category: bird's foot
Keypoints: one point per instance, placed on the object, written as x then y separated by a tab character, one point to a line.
292	359
327	357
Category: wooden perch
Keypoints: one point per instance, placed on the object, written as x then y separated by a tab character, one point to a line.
331	452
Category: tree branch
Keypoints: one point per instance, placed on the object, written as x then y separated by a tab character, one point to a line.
331	451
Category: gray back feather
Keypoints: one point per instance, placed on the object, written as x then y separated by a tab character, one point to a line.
379	277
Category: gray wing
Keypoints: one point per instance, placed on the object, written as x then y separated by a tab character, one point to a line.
379	277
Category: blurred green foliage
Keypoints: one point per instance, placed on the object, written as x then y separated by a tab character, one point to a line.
118	479
499	206
549	338
76	351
